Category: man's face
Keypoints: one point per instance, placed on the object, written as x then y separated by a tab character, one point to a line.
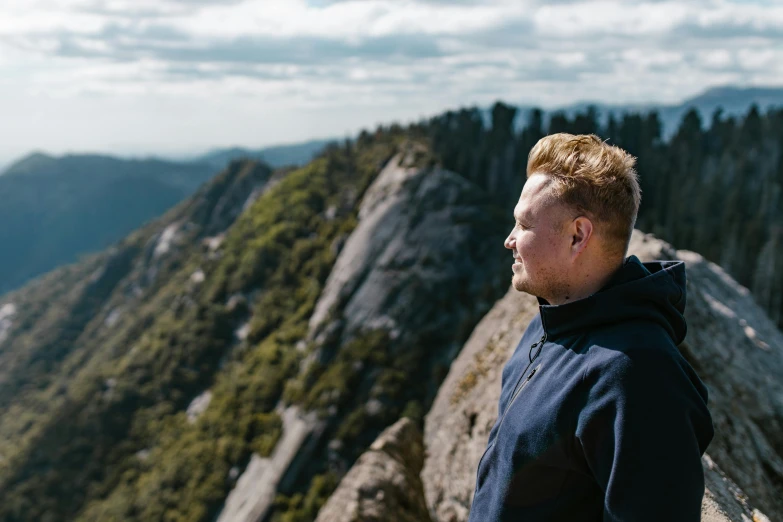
540	241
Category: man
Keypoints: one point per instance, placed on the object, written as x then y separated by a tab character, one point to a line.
600	416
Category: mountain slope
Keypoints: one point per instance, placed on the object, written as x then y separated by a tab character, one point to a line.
411	280
102	358
199	358
80	344
55	209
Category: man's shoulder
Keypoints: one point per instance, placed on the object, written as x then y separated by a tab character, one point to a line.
633	354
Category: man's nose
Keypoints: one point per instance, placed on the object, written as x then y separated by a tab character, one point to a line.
508	242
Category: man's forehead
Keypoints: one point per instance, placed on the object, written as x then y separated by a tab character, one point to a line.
521	211
535	196
536	186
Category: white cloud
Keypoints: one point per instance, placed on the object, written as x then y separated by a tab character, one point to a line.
130	64
610	18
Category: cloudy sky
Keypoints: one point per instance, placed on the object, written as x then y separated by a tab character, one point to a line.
176	76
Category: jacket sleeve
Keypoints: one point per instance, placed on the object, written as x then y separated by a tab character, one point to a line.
642	432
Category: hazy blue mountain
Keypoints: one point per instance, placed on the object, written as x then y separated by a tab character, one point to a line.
276	156
735	101
57	208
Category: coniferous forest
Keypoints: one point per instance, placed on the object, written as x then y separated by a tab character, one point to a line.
100	360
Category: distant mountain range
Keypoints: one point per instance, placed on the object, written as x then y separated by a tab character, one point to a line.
734	101
56	208
275	156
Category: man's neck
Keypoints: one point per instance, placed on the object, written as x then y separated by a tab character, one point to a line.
585	285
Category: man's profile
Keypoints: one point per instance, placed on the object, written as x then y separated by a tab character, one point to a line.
600	417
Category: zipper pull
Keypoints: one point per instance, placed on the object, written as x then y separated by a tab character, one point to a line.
540	344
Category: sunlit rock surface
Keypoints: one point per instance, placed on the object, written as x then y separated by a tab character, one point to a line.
384	484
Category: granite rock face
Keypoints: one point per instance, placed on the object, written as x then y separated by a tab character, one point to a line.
738	352
256	488
420	260
723	500
384	484
733	345
420	269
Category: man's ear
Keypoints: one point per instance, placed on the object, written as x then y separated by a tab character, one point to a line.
582	231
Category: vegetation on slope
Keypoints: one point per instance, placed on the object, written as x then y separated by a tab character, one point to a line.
119	440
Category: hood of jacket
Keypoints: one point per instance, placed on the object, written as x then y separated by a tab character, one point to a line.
653	291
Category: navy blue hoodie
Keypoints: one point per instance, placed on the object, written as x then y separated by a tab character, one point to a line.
600	416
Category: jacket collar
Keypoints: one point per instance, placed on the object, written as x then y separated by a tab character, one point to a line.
653	291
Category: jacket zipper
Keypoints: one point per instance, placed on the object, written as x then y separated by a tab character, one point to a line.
517	389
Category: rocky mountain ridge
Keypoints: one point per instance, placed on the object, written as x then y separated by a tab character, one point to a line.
731	342
187	369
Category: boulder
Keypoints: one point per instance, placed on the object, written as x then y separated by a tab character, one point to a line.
384	484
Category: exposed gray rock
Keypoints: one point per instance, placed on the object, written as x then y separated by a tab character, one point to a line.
256	488
734	346
738	352
422	266
143	454
242	331
458	424
723	500
215	242
384	484
198	405
164	242
7	311
368	241
421	232
111	319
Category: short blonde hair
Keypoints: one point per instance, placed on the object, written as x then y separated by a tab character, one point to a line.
594	179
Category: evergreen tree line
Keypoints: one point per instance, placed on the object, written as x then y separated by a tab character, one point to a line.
714	188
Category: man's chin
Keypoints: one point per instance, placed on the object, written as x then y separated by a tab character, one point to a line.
520	284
